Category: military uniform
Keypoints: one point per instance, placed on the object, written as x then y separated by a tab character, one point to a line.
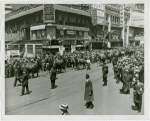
138	92
115	71
118	73
105	72
25	81
17	73
53	77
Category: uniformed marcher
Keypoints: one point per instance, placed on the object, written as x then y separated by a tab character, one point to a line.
115	72
118	73
138	92
126	87
105	72
17	73
25	82
53	77
88	63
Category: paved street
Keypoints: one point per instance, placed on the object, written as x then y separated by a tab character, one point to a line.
70	89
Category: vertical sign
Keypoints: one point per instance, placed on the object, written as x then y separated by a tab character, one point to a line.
49	13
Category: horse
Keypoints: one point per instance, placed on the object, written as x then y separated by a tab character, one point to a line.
31	68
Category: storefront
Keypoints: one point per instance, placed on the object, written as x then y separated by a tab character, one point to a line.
136	35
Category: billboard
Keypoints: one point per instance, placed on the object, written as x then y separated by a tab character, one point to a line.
137	19
49	13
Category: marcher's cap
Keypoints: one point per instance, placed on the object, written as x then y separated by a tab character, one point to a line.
136	75
87	75
136	67
126	70
63	106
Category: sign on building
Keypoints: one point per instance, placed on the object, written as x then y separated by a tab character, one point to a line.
100	13
71	32
137	19
49	13
14	52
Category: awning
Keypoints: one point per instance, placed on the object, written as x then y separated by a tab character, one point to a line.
72	28
11	42
39	27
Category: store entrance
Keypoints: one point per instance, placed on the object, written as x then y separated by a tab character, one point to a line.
67	48
51	50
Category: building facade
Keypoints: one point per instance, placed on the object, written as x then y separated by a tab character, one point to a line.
136	25
32	27
35	28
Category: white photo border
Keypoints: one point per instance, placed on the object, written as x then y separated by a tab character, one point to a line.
146	115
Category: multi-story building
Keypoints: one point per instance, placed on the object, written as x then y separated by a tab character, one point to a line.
107	20
136	25
36	27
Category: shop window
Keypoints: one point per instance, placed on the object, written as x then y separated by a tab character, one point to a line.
66	17
37	18
61	17
30	49
59	33
34	34
38	49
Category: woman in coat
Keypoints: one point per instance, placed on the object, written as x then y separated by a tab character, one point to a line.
88	95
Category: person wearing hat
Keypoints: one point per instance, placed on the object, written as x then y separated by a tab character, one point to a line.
88	63
53	76
141	75
131	74
17	73
138	92
64	109
25	82
118	73
88	95
126	80
115	71
105	72
114	61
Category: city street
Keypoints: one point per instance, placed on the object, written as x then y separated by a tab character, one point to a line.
70	89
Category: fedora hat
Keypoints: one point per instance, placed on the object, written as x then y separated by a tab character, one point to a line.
63	106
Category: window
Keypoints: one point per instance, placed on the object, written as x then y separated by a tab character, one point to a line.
113	19
106	17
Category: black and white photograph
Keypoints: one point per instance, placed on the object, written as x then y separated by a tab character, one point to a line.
74	59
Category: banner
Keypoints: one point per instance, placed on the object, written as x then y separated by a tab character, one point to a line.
137	19
49	13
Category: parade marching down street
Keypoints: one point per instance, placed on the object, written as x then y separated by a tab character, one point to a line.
97	82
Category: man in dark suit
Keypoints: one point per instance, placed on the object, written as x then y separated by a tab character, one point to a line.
25	82
17	72
114	61
105	72
88	95
53	77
